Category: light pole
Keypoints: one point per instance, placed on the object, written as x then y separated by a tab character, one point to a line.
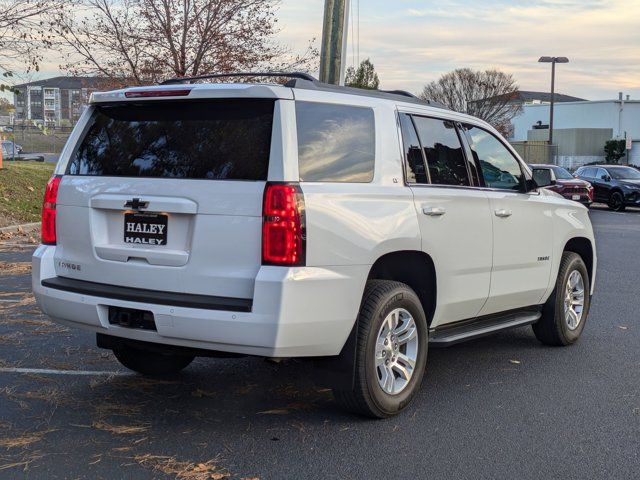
552	61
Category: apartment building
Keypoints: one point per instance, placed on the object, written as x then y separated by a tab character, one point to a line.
57	101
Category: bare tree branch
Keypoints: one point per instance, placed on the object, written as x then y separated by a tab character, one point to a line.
144	41
23	32
488	95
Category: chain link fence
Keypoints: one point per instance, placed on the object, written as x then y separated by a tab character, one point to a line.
33	140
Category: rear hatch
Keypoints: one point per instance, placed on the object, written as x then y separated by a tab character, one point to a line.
166	195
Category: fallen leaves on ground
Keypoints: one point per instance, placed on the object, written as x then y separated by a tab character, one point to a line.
25	460
10	240
117	409
13	338
198	392
24	440
244	390
17	299
274	411
121	429
15	305
298	406
182	470
15	268
11	393
50	395
107	409
133	382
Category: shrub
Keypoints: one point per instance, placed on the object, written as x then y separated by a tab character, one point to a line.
614	150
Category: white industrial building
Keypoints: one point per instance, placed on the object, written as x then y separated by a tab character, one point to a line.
581	128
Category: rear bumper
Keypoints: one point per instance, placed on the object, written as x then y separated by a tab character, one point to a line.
296	312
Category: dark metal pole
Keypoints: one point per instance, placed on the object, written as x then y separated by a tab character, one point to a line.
334	41
553	97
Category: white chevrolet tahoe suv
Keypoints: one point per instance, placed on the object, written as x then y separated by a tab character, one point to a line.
355	228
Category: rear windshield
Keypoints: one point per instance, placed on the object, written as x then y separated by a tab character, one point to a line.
216	140
562	174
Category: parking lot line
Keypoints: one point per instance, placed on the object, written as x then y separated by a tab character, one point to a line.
46	371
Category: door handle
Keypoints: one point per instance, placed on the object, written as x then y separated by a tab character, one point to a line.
434	211
503	213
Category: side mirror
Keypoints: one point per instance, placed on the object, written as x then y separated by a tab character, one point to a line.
544	177
606	178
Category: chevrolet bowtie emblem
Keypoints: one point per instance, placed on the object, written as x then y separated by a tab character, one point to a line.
136	204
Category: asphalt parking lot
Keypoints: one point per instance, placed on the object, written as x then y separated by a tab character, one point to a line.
503	407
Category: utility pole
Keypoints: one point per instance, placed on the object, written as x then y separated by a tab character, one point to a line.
333	52
553	101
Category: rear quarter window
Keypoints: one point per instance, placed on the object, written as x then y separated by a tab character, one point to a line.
214	140
336	143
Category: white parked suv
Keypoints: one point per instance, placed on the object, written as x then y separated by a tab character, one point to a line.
353	227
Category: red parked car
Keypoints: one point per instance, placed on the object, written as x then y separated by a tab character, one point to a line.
566	185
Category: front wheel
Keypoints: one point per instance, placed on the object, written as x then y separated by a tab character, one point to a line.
151	363
565	313
391	351
616	202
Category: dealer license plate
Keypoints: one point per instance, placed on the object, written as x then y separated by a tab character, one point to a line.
145	228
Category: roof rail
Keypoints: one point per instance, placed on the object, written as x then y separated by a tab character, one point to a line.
397	95
308	82
400	92
299	75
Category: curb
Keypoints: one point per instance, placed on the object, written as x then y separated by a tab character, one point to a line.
24	228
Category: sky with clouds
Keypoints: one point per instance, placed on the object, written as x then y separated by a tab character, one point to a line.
412	42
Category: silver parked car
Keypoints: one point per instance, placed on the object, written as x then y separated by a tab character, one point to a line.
10	148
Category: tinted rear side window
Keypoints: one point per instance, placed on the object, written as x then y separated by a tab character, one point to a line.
445	157
416	171
336	143
216	140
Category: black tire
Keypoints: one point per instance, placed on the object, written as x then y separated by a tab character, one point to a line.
151	363
616	201
367	396
552	328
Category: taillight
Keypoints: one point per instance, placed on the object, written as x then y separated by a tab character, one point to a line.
283	225
590	191
49	210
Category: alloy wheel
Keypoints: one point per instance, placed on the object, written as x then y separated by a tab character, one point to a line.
616	201
396	351
574	300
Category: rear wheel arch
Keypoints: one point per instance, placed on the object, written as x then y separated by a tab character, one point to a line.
413	268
